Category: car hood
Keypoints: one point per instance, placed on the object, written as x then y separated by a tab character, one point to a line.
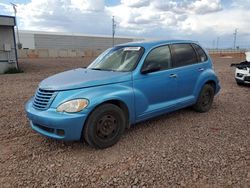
81	78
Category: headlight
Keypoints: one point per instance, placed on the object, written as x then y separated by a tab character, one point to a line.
71	106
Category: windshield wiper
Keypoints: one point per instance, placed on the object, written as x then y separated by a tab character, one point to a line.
101	69
96	69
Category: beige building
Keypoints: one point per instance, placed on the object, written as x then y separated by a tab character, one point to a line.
56	44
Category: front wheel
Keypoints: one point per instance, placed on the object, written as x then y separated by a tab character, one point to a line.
239	83
205	99
104	126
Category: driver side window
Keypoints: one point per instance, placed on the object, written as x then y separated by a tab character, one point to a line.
159	57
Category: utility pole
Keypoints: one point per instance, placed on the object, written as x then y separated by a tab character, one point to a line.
235	37
217	43
213	44
19	45
113	30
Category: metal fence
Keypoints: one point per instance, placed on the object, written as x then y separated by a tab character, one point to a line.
227	51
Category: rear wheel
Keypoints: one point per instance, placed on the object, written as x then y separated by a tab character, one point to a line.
104	126
205	99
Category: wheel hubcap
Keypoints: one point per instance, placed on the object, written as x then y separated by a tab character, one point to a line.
107	127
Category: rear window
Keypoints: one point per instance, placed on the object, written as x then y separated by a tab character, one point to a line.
201	54
183	54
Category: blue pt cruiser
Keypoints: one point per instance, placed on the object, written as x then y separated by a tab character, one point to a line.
126	84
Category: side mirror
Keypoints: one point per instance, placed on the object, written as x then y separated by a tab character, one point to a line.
150	67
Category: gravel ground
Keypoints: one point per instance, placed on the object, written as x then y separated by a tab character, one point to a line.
181	149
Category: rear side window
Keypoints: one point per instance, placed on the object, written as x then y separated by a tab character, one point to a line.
201	54
160	57
183	54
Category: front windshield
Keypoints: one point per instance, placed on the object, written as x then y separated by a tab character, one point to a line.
118	59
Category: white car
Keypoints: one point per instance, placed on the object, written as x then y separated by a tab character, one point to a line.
242	72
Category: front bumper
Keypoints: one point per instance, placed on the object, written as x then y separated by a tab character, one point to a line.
242	76
62	126
242	81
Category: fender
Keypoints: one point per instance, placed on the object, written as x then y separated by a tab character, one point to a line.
97	95
207	76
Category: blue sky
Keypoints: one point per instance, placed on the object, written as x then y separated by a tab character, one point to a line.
112	2
15	1
202	20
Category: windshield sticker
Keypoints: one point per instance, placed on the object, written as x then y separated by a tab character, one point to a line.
132	49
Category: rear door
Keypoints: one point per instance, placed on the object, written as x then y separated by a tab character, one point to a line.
188	66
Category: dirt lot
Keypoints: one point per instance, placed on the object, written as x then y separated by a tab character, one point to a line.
182	149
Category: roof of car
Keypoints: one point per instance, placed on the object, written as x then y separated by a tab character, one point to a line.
153	43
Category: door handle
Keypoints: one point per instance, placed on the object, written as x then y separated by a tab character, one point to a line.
173	76
201	69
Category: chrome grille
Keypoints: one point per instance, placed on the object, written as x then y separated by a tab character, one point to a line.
43	99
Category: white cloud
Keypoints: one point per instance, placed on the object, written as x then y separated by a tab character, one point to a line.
205	6
6	9
63	15
136	3
220	23
160	13
190	7
94	5
152	18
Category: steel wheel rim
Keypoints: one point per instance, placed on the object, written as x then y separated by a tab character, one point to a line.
107	127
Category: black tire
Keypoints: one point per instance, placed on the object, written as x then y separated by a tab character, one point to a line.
104	126
239	83
205	99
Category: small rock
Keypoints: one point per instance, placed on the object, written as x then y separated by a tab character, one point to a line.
229	182
183	184
248	175
242	149
195	176
142	184
93	180
190	150
135	181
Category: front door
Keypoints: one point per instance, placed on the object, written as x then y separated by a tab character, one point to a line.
155	92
